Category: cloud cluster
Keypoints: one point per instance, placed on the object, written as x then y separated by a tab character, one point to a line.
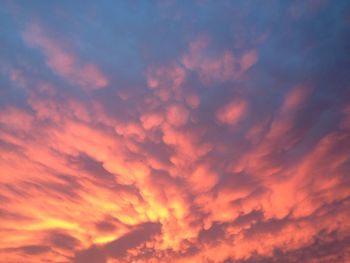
231	146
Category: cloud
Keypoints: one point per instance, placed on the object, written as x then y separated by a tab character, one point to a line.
224	66
33	249
231	113
119	247
63	241
151	120
64	63
203	178
92	254
219	134
166	80
177	115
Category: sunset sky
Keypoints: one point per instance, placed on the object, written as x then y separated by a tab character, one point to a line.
175	131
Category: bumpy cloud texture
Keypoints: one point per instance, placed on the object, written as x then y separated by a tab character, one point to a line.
199	131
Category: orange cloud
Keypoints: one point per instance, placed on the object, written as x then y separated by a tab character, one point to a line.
253	170
203	179
85	187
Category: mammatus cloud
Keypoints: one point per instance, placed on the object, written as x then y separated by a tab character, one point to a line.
227	141
231	113
224	66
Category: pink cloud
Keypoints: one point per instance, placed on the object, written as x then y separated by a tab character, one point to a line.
151	120
166	81
248	59
192	100
177	115
233	112
15	118
64	63
225	66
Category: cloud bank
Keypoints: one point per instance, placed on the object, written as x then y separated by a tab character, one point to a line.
175	132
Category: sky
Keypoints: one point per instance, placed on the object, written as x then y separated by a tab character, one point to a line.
175	131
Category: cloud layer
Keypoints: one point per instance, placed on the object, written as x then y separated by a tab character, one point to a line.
175	132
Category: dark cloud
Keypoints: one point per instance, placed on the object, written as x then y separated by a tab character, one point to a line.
88	164
63	240
91	255
321	250
214	233
142	233
105	226
32	249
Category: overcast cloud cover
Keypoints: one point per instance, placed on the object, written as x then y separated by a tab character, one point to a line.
175	131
